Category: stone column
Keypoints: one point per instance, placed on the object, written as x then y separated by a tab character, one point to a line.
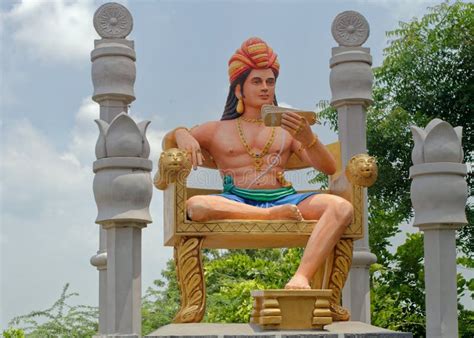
122	182
351	81
100	262
439	194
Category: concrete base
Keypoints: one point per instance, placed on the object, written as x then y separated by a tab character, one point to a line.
335	330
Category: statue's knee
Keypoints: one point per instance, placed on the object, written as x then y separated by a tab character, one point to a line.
344	210
195	207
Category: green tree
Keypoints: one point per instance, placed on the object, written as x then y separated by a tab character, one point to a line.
60	320
397	298
13	333
230	276
427	73
161	301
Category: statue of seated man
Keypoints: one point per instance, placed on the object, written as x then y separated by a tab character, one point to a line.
251	159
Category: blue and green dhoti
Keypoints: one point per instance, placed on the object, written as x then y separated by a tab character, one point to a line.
263	198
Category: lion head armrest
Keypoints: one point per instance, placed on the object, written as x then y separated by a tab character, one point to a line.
173	165
361	171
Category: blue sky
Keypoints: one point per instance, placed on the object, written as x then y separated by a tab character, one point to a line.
48	135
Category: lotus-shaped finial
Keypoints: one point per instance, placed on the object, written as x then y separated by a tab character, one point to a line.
122	138
438	142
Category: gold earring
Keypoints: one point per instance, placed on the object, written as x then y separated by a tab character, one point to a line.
240	106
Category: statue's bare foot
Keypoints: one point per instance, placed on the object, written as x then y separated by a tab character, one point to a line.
298	282
286	212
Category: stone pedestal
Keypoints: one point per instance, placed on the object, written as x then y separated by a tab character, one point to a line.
351	86
291	309
439	195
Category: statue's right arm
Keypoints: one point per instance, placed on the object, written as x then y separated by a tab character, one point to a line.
194	139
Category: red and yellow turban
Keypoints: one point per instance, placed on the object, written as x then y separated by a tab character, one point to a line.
253	54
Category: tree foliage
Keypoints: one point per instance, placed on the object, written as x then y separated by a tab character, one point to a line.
60	320
230	276
397	297
427	73
161	301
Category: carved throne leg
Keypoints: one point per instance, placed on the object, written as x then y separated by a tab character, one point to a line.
190	274
340	271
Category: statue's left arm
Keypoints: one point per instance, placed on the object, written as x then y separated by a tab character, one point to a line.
307	145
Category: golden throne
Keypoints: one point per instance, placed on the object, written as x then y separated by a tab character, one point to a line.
189	237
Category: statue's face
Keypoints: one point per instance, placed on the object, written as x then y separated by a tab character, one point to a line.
259	88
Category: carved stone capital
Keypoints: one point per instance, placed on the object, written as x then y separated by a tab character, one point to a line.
350	29
113	21
439	189
122	138
123	195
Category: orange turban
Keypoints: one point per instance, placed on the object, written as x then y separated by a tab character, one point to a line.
253	54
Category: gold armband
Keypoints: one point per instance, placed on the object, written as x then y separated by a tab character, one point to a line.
311	144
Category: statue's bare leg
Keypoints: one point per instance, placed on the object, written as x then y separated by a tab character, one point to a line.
334	214
203	208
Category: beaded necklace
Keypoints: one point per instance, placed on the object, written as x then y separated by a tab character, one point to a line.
257	157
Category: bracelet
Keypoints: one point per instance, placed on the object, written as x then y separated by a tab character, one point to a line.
311	144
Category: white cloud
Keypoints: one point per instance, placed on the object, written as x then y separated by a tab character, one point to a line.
47	220
48	213
84	134
32	165
53	30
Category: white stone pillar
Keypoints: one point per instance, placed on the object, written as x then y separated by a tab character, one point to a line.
439	194
351	81
100	262
122	182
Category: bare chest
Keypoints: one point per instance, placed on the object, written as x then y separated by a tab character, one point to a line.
231	144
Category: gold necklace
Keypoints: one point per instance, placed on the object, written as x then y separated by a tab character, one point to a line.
251	120
258	158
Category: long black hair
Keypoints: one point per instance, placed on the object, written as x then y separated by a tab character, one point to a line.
230	112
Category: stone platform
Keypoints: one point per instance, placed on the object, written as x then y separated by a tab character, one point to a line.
335	330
